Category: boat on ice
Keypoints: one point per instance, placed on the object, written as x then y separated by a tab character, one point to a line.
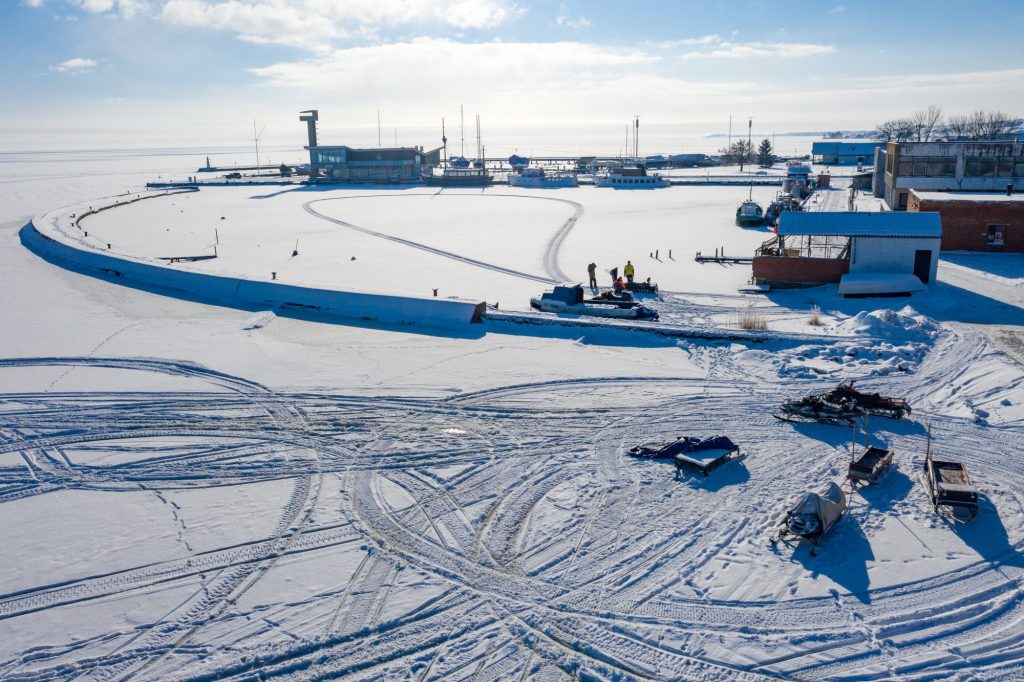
631	177
540	179
457	177
750	214
569	299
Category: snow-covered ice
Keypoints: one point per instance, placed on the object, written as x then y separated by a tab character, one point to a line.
192	491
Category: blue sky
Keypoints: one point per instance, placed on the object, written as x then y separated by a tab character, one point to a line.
132	73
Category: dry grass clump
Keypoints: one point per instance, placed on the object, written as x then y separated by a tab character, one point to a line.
751	318
814	319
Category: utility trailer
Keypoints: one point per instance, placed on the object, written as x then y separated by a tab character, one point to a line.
867	464
949	486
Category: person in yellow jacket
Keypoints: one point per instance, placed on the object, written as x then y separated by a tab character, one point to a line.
628	271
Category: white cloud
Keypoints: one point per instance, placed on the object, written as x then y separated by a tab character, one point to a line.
317	24
838	9
74	65
127	8
565	19
32	3
714	47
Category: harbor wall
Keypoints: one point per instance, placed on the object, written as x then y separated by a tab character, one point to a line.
57	236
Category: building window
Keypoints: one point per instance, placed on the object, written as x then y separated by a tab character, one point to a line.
901	201
980	167
996	235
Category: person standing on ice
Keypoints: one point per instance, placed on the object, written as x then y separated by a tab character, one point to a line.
592	271
614	272
629	271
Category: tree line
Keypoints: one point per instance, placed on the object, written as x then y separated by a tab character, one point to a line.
929	124
744	153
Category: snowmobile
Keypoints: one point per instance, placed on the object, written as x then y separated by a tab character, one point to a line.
872	403
568	299
815	408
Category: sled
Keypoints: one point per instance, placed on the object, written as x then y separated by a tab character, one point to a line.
869	463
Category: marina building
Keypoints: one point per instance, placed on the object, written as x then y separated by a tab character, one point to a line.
844	153
946	167
867	253
975	221
382	165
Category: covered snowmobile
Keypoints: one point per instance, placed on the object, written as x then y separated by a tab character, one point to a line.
568	298
814	514
687	451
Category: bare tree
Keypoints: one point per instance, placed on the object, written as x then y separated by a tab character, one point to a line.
996	125
958	126
925	122
977	124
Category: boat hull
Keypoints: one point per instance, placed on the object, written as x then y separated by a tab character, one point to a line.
542	183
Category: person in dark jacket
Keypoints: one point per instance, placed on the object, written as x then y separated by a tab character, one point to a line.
592	271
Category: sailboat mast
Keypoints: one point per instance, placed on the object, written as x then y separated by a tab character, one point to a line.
444	143
462	131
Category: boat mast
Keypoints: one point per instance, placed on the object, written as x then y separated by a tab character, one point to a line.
478	152
462	131
444	143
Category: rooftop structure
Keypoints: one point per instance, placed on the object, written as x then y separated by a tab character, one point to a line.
946	166
855	224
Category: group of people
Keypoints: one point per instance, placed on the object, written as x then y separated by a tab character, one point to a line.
617	282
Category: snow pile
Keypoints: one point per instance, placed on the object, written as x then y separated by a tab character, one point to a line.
893	325
881	342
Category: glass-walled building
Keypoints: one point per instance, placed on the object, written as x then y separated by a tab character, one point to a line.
379	166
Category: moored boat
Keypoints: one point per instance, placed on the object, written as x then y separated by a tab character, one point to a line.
634	177
749	214
538	178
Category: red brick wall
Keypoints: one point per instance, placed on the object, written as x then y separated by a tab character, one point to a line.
799	270
965	223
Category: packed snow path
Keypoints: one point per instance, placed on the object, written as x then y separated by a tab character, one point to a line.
504	534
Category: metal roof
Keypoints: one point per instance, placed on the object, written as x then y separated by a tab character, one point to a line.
860	224
845	148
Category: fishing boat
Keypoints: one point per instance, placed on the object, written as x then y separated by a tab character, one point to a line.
539	178
749	214
634	177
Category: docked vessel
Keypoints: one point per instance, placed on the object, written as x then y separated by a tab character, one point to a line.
635	177
538	178
750	214
568	299
457	177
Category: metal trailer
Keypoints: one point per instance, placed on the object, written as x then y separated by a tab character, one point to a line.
949	486
868	464
706	455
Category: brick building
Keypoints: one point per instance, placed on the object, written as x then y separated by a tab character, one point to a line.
975	221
